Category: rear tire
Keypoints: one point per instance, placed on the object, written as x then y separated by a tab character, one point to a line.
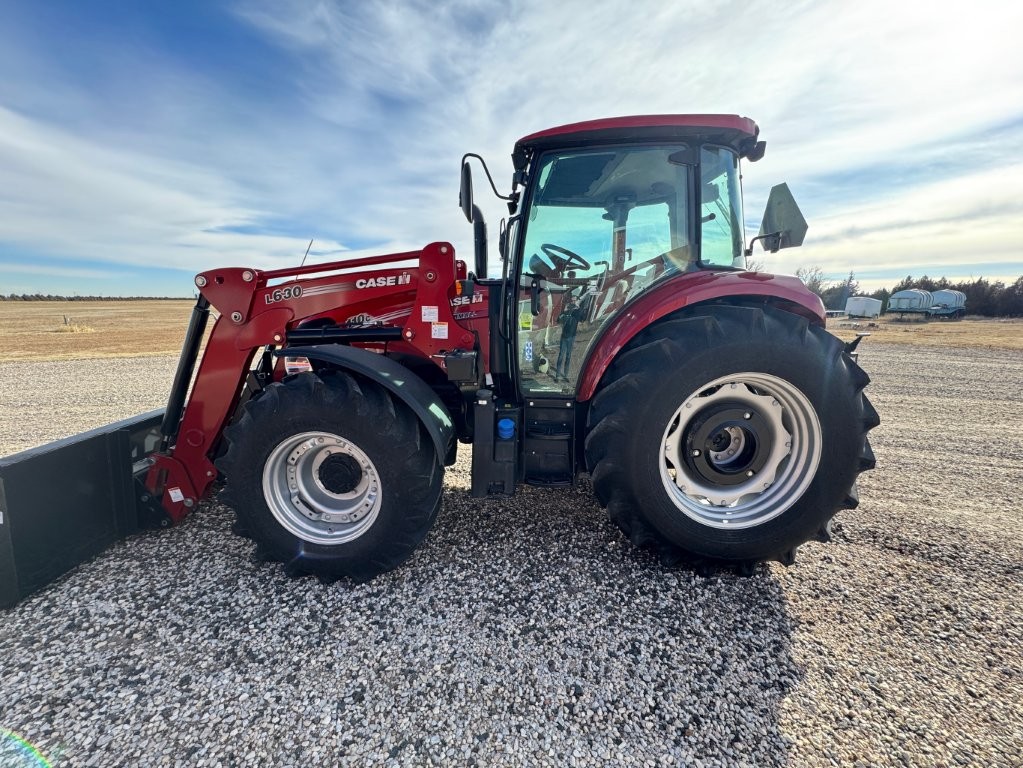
729	435
331	476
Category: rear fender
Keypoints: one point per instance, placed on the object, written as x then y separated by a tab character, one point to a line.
686	290
396	378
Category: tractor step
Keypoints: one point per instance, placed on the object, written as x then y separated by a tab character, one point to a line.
65	502
548	449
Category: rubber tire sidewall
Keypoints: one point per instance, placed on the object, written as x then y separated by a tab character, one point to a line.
360	558
819	374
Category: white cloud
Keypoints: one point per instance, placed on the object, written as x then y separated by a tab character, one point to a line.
80	273
383	99
71	196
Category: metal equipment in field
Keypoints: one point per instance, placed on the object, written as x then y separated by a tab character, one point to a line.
948	304
720	423
912	301
862	306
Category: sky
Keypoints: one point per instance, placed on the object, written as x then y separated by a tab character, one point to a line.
141	143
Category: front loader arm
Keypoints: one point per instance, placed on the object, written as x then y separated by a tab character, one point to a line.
259	309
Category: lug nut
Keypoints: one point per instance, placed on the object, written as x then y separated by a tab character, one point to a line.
747	415
696	452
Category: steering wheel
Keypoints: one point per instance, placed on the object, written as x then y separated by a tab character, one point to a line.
562	258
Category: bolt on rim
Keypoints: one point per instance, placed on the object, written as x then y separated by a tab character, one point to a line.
740	450
322	488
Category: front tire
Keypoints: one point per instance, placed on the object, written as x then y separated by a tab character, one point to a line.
729	435
331	476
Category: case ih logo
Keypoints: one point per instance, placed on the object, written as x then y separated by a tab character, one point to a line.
381	282
476	298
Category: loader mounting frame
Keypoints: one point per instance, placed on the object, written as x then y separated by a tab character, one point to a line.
261	310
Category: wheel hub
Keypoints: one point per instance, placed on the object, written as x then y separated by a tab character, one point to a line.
726	445
339	473
741	450
322	488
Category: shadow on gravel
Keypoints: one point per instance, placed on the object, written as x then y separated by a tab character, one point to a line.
525	630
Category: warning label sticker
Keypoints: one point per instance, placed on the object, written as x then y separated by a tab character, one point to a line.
430	315
175	494
439	330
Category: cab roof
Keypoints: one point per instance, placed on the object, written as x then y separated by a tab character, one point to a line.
734	131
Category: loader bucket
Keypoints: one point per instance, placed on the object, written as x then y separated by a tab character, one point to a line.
65	502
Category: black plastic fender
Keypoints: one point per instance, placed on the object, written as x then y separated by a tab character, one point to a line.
396	378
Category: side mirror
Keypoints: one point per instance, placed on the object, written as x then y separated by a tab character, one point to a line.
783	225
465	192
479	236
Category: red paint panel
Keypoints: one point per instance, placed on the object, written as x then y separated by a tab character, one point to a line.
686	290
714	122
253	314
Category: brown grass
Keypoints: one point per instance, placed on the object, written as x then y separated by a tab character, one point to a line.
62	330
986	333
51	330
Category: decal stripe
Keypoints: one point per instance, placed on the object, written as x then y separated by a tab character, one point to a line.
320	289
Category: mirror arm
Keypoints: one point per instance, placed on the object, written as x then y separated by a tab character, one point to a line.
510	198
775	243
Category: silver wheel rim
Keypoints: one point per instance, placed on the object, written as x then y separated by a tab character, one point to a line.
762	452
308	501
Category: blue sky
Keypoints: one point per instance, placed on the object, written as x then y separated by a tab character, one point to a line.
143	142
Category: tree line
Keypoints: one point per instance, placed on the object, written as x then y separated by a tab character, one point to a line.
983	297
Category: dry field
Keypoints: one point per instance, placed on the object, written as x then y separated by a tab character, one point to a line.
973	332
36	330
527	631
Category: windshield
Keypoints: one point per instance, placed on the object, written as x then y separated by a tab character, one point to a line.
603	225
615	208
721	234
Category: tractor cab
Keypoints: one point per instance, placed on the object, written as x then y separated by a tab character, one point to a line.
603	212
601	225
614	224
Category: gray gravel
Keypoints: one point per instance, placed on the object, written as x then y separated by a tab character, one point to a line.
527	631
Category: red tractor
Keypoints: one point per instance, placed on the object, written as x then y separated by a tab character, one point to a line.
718	419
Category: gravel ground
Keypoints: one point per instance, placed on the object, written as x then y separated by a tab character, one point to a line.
528	631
